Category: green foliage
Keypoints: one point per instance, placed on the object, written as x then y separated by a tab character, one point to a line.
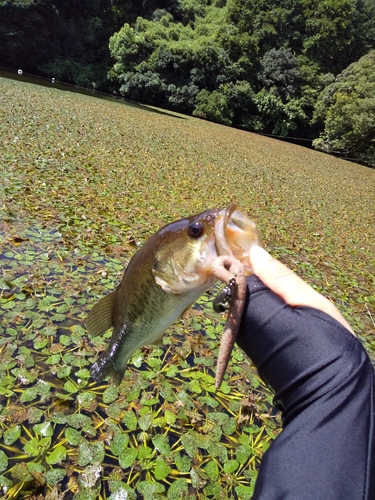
280	72
214	107
346	109
240	98
334	32
127	47
280	118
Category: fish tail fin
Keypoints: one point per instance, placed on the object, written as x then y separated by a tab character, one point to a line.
103	367
99	318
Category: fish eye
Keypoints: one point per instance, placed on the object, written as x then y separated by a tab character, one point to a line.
195	230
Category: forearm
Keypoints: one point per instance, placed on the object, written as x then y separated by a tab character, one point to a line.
324	382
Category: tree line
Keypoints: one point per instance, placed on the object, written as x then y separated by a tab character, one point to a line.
302	68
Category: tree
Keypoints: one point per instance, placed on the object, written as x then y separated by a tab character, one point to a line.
213	106
334	32
347	110
280	71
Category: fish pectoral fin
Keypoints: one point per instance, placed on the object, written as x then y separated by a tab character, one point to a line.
99	318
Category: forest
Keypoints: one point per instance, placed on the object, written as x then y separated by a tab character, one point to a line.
289	68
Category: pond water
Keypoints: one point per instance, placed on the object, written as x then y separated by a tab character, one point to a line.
165	429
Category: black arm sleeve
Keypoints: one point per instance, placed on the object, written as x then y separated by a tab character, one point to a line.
324	383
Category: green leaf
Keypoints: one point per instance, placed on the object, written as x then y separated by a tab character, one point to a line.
70	387
83	373
161	443
161	469
170	417
183	462
55	476
123	492
190	444
144	421
231	466
150	489
54	359
36	447
42	388
244	492
6	392
196	480
36	467
110	394
86	399
5	483
65	340
34	415
178	489
64	371
119	443
130	421
212	471
144	452
89	453
28	395
243	453
127	457
73	436
44	429
57	456
3	461
195	386
11	435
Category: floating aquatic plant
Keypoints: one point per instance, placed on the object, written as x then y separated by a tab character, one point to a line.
80	191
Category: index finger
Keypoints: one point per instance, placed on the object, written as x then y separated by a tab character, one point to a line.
290	287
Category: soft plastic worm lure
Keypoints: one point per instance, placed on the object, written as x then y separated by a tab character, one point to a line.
231	271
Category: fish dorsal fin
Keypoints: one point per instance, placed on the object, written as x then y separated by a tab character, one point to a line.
99	318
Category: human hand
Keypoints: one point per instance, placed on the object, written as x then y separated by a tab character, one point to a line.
290	287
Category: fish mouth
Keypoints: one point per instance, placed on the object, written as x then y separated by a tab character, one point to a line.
235	234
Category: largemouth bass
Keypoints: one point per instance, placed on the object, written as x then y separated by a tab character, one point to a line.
163	279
